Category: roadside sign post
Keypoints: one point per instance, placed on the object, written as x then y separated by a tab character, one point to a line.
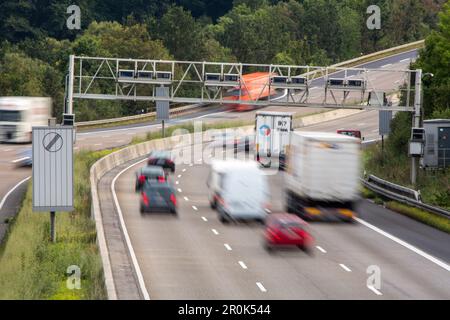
162	107
52	154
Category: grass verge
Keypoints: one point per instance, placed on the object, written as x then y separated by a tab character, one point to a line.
31	267
428	218
433	185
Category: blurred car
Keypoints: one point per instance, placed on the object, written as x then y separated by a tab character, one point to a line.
284	229
158	197
149	173
163	159
230	139
25	158
238	190
350	132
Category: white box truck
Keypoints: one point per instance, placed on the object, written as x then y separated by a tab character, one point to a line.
272	134
19	114
322	175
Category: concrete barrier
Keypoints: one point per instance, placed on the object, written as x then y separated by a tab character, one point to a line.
324	117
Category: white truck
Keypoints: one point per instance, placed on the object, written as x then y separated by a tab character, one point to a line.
19	114
322	175
272	134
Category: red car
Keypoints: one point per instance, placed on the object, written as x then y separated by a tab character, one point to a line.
284	229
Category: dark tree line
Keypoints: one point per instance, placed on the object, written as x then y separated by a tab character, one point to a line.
35	42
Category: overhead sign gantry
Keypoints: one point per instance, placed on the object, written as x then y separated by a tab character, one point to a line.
208	82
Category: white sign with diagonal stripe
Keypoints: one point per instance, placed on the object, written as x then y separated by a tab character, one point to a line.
52	158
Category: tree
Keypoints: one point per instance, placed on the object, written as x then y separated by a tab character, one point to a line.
180	33
435	58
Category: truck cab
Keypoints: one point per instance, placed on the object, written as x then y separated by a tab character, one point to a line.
19	114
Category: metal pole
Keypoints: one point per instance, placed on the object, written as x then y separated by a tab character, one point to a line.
163	129
70	85
52	226
416	119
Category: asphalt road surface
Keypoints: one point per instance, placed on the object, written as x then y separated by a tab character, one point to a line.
194	256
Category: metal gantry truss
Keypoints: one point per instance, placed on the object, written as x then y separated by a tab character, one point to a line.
213	82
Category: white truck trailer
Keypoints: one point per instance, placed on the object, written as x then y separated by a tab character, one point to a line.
322	175
272	134
19	114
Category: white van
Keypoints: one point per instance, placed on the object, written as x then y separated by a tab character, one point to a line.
238	190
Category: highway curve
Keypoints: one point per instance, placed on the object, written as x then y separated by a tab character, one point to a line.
194	256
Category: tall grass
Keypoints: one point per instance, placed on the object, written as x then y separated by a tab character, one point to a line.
32	267
394	166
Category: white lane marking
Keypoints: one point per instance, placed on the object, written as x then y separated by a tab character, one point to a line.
242	264
404	60
98	144
179	190
179	176
204	219
343	266
177	182
127	237
7	150
20	159
215	231
375	290
184	170
321	249
186	198
190	165
11	191
261	287
387	65
76	148
106	136
227	246
120	141
405	244
195	208
130	133
361	124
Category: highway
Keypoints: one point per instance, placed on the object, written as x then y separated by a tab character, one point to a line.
103	138
194	256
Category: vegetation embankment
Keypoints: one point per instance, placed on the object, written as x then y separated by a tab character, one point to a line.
32	267
393	163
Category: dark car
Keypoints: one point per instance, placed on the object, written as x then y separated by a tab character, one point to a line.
158	197
148	174
163	159
283	229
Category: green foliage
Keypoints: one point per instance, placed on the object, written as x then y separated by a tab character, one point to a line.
431	219
394	165
435	58
31	267
317	32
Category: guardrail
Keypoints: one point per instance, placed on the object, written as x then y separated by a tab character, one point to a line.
174	111
402	194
